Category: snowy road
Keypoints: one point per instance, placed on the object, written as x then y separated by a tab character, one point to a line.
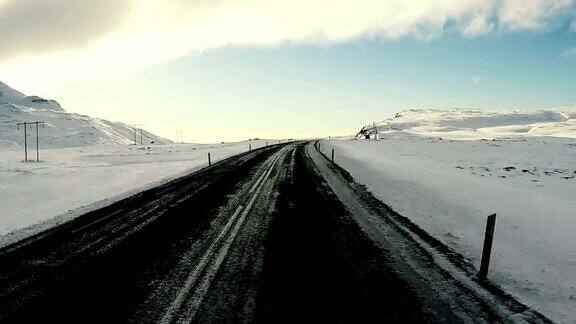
278	234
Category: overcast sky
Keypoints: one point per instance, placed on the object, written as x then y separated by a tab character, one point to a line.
224	70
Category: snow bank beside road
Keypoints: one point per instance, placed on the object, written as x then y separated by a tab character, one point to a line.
69	182
449	187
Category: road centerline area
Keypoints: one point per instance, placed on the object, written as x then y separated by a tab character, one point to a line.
175	306
208	276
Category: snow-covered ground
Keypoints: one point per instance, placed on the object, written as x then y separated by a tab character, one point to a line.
71	181
449	186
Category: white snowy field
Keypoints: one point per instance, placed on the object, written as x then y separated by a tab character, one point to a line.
68	182
448	187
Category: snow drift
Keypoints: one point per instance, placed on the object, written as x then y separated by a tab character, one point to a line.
62	129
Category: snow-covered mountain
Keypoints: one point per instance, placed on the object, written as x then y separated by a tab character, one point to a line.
478	123
62	129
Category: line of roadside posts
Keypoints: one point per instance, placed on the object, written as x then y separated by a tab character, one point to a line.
488	235
249	149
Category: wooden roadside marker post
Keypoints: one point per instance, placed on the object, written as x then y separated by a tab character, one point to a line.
487	249
249	146
332	155
209	160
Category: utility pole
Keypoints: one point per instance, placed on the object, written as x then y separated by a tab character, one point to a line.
135	128
25	139
25	126
37	140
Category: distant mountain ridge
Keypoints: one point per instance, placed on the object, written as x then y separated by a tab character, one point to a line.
11	96
62	129
479	123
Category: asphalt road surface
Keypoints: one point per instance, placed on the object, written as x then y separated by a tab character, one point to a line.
278	234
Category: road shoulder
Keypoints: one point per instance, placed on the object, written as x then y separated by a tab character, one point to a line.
440	275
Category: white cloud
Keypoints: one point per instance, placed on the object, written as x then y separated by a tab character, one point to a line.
569	52
476	79
155	31
478	26
534	15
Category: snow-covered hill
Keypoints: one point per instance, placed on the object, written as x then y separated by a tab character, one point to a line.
479	123
62	129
